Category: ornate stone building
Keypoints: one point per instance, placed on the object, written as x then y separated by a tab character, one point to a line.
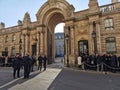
93	30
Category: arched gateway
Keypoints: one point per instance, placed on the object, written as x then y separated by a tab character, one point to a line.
93	30
50	14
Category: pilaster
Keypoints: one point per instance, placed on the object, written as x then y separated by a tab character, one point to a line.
98	34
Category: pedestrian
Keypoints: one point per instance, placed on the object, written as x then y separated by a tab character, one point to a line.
79	60
40	58
113	63
16	66
44	62
33	60
27	65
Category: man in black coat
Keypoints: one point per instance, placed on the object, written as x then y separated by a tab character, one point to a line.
33	60
27	65
40	58
44	62
99	61
113	63
16	66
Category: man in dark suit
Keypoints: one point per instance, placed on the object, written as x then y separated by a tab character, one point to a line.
27	65
40	58
16	66
44	62
33	61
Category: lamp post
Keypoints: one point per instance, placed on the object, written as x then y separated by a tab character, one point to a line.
36	40
94	37
67	37
36	52
20	48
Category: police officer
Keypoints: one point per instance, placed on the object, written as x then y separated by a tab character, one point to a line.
27	65
40	58
33	60
16	66
44	62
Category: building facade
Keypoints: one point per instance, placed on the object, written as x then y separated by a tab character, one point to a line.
93	30
59	44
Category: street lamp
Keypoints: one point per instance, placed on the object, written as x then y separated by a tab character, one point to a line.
36	40
20	48
67	37
36	45
94	37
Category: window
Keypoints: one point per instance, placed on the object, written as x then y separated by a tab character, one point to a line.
108	24
83	47
13	37
56	37
13	51
110	45
6	39
6	48
59	37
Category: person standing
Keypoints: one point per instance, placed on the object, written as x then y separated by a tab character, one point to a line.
33	61
27	65
79	60
40	58
44	62
113	63
16	66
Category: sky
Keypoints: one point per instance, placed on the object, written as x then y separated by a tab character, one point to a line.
13	10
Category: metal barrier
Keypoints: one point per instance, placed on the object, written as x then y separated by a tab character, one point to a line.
99	66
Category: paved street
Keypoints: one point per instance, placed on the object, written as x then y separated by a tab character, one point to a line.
70	79
58	78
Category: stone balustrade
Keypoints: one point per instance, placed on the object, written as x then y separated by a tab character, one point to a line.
110	7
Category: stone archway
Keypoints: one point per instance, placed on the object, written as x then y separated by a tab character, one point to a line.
50	14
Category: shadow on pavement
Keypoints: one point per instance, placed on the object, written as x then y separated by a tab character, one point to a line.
19	81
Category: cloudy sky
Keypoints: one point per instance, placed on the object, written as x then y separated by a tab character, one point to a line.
13	10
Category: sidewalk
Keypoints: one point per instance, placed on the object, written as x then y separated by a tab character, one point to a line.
40	82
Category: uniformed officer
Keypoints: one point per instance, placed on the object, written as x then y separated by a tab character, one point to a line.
44	62
40	58
27	65
16	66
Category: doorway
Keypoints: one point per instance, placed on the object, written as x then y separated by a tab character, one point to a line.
34	49
83	47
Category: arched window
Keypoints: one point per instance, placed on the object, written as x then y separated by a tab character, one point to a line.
13	37
108	24
110	45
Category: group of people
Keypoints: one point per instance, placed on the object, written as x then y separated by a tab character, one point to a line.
27	63
42	62
99	62
2	61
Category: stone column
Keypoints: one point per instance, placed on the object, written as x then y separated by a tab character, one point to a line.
22	39
37	43
42	42
72	40
98	36
23	44
91	43
26	42
66	48
66	33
